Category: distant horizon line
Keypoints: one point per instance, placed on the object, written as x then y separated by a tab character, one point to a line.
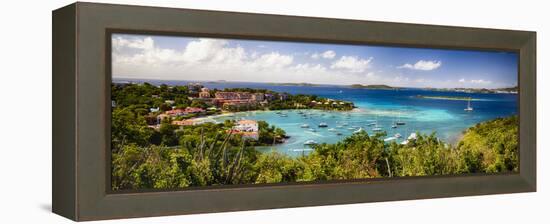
307	83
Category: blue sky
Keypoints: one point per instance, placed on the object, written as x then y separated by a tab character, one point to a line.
186	58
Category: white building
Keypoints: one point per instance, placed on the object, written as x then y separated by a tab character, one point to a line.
246	126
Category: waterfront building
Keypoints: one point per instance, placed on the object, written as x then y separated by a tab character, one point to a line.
246	126
205	93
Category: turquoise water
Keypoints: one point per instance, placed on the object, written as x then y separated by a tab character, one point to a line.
446	118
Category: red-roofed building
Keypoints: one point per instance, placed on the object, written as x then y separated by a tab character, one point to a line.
182	112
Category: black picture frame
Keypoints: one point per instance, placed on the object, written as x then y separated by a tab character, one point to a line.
81	110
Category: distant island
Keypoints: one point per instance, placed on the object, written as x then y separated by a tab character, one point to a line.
461	98
217	81
509	90
360	86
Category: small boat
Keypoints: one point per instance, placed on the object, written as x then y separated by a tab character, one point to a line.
310	142
371	124
390	139
355	126
283	115
312	130
323	125
397	135
345	124
410	138
351	129
358	130
377	129
304	126
278	112
394	126
331	129
469	107
339	126
338	133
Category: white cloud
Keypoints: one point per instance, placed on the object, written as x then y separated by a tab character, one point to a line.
480	81
315	56
214	59
352	64
144	44
330	54
217	59
273	60
422	65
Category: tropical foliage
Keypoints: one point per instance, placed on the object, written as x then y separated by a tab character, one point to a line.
206	155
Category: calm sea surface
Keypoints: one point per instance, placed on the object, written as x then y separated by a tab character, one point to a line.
446	118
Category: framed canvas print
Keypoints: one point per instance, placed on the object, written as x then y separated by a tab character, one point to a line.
201	111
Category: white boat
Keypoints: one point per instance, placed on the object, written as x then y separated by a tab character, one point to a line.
358	130
389	139
310	142
345	124
351	129
469	107
394	126
304	126
410	138
371	124
331	129
397	135
339	126
323	125
377	129
312	130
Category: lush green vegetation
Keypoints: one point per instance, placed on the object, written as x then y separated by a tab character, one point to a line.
173	156
139	98
206	155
